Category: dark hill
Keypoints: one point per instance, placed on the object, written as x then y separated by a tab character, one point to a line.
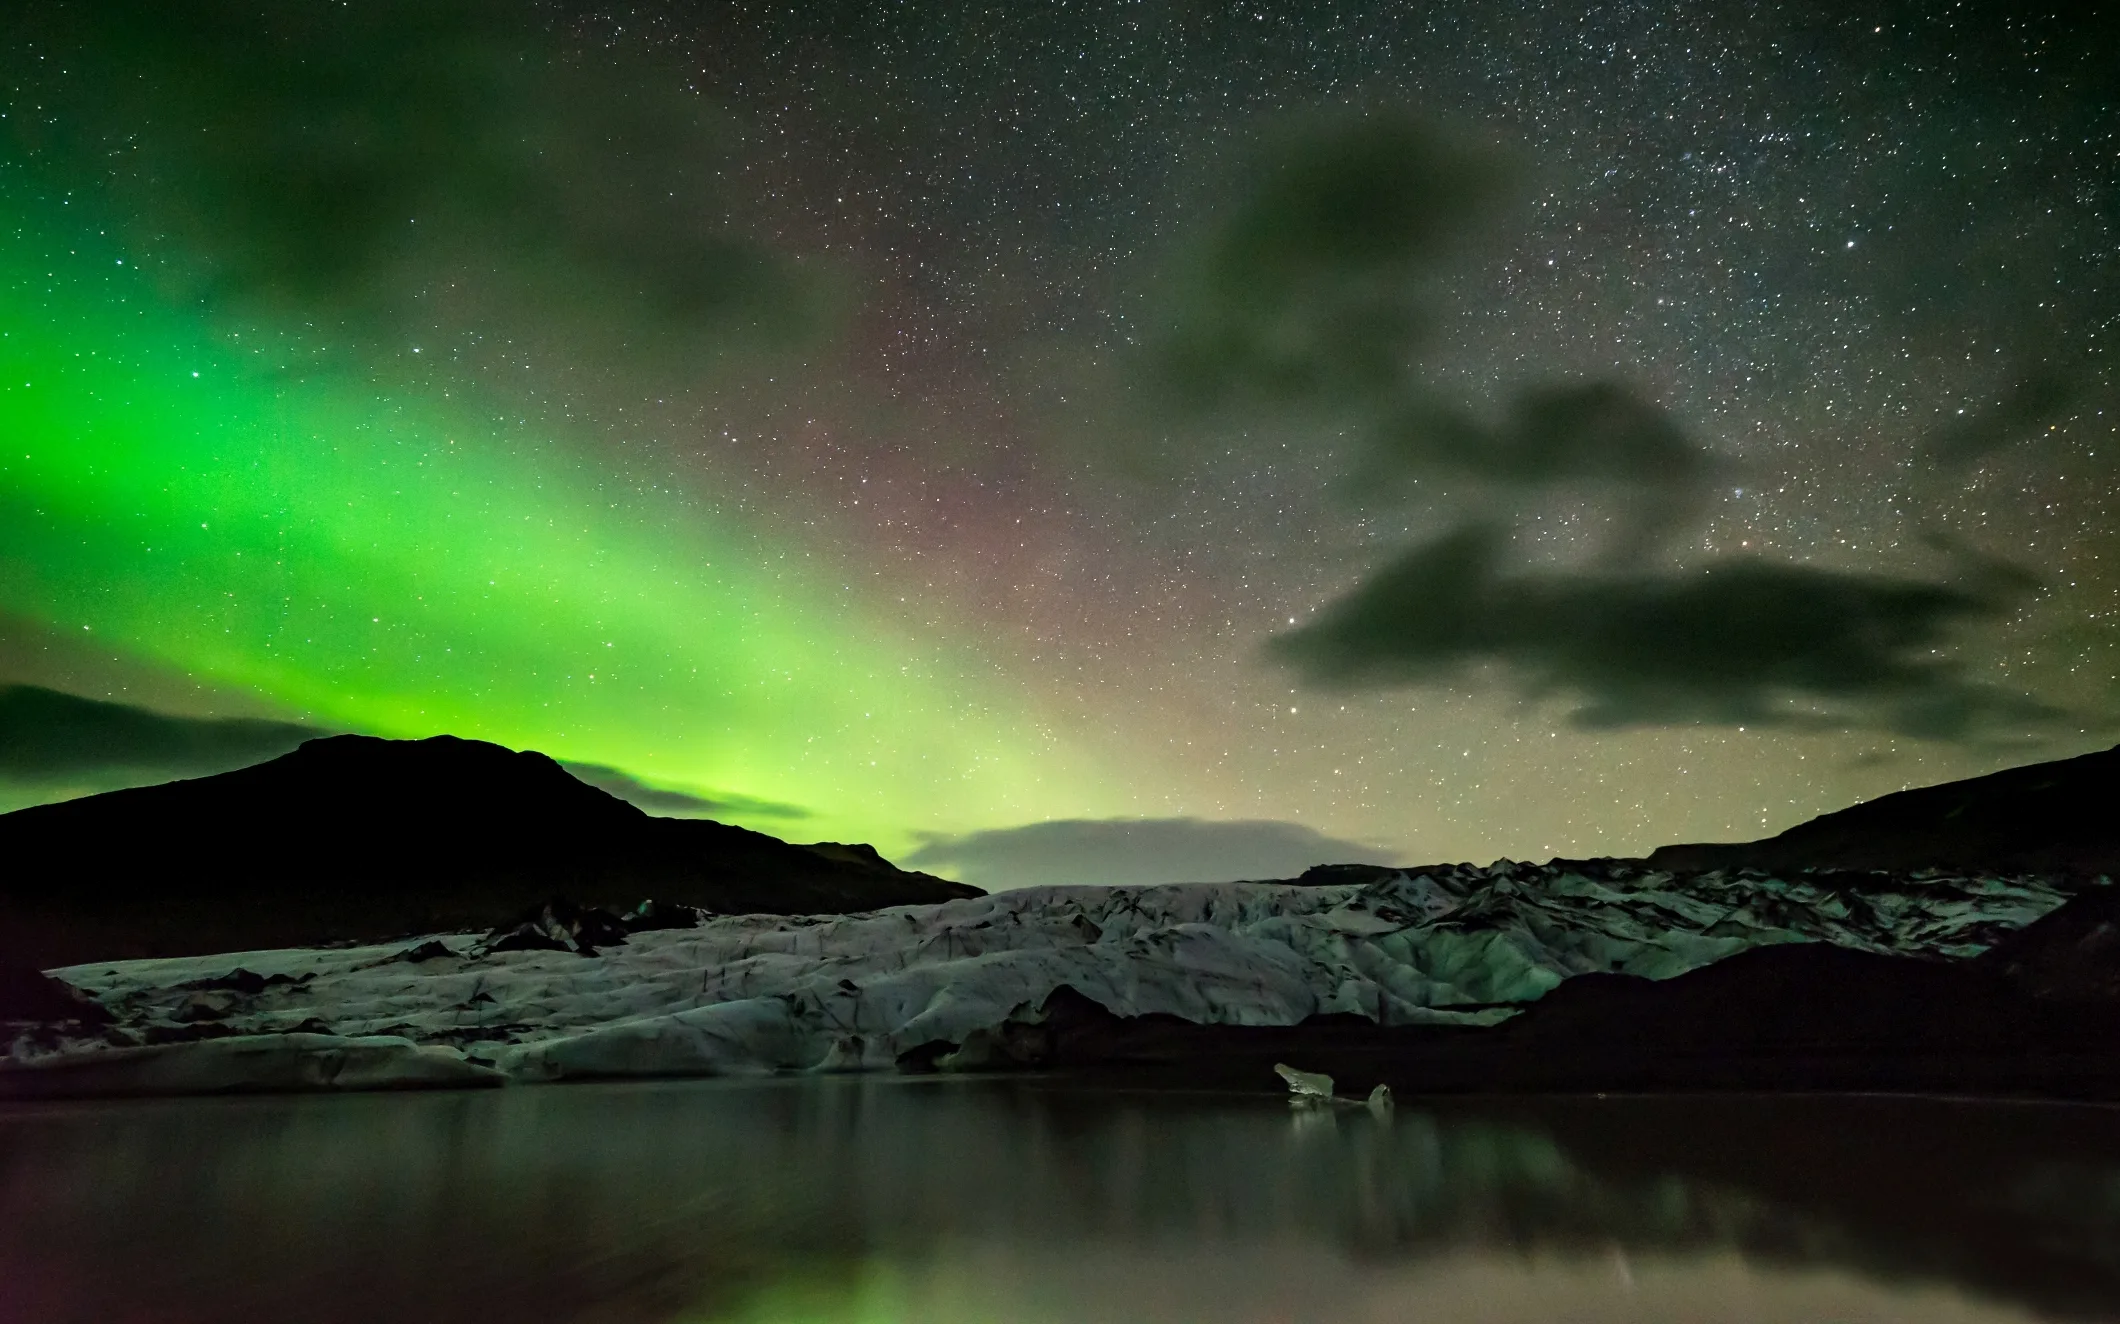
2059	817
356	838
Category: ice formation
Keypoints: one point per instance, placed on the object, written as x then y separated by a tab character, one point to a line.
756	993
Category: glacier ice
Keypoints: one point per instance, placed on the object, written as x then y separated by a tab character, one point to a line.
763	993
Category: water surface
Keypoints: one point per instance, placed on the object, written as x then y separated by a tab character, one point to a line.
952	1200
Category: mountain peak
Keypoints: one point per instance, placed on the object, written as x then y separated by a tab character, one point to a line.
357	837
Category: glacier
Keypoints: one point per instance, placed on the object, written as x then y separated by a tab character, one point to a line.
1453	944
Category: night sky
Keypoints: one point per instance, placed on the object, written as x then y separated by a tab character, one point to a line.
1325	431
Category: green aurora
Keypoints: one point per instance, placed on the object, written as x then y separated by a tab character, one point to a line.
792	426
394	563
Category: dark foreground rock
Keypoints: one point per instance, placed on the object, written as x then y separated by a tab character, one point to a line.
355	839
560	925
2056	817
31	997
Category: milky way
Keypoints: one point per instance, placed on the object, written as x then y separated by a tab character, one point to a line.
878	527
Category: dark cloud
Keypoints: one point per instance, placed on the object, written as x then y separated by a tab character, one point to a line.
2024	410
1734	642
47	736
679	804
1138	850
1313	286
404	168
1311	294
1587	431
1594	437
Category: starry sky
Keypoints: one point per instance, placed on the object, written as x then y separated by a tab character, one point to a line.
1144	439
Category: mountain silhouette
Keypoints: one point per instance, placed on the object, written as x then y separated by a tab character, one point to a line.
2058	817
354	838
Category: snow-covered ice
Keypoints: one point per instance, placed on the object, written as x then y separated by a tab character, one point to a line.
759	993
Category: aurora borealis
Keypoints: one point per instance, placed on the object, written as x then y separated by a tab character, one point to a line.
391	563
863	525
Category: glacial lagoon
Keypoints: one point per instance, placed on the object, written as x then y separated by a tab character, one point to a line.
938	1200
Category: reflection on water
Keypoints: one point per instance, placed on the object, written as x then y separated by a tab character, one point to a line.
886	1200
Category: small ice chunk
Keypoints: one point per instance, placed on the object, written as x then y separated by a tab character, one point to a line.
1304	1084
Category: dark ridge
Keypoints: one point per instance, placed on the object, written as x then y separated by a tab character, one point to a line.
2056	817
353	839
32	997
1338	875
